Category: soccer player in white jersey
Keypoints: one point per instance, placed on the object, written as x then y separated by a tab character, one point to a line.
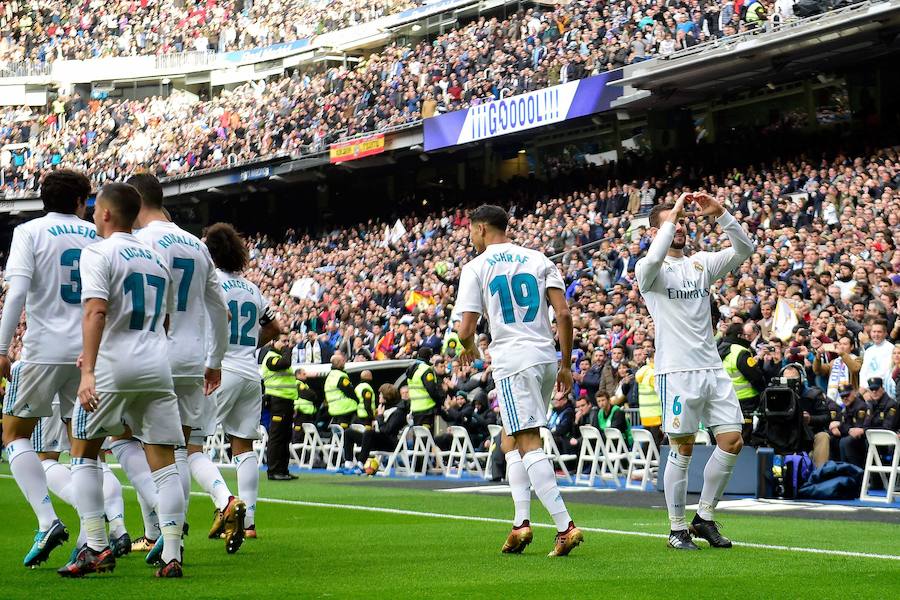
126	380
515	288
43	276
198	299
690	380
238	401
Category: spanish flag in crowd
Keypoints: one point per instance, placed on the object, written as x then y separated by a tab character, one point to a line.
784	320
419	299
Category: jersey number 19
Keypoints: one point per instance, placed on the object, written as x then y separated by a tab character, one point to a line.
523	287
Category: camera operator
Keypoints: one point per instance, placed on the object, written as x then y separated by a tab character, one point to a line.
745	371
807	428
881	413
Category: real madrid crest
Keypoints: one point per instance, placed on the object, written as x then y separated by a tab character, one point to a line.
698	266
676	423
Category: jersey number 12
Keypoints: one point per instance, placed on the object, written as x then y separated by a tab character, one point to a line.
523	287
249	313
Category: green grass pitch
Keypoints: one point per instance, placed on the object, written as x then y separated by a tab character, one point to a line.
307	551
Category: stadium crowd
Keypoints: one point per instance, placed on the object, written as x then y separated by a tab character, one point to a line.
48	30
827	235
477	62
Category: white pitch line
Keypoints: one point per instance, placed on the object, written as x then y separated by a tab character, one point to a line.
470	518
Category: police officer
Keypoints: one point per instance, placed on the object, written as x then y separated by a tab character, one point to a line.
367	403
851	412
881	413
745	372
281	393
424	390
339	393
304	406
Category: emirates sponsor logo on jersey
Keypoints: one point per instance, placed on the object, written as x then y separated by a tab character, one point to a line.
675	294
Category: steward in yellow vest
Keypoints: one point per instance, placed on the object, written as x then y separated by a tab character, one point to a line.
745	372
649	405
339	393
281	393
304	406
424	389
367	403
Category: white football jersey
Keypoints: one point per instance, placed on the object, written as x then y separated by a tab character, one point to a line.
136	282
676	291
509	284
48	251
197	295
249	309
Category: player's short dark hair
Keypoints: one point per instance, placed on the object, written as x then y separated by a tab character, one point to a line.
123	200
149	187
656	212
492	215
63	190
227	248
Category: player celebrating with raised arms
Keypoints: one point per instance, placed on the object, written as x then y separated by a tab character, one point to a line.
515	287
690	380
126	379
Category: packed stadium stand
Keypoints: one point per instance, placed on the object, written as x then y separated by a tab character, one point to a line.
301	112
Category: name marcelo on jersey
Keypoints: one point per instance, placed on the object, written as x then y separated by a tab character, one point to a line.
235	283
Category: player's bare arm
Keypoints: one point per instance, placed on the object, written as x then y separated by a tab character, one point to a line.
467	337
648	267
557	299
92	331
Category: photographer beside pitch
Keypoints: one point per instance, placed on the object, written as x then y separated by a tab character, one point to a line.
690	379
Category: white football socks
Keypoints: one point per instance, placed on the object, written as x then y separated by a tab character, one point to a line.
29	474
113	503
716	476
210	478
88	480
59	480
676	479
184	473
543	480
171	511
519	486
130	454
248	483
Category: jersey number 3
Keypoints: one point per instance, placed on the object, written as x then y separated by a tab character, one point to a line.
524	289
71	293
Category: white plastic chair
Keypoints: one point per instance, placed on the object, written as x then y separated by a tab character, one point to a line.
493	432
218	447
461	454
643	462
616	452
311	446
397	461
702	438
592	452
881	439
424	452
555	455
334	451
260	445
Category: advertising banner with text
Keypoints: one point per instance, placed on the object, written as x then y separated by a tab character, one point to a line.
519	113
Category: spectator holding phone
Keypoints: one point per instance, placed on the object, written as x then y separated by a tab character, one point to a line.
842	371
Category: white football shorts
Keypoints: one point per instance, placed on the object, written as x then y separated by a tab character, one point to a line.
32	386
238	406
525	396
152	416
692	397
